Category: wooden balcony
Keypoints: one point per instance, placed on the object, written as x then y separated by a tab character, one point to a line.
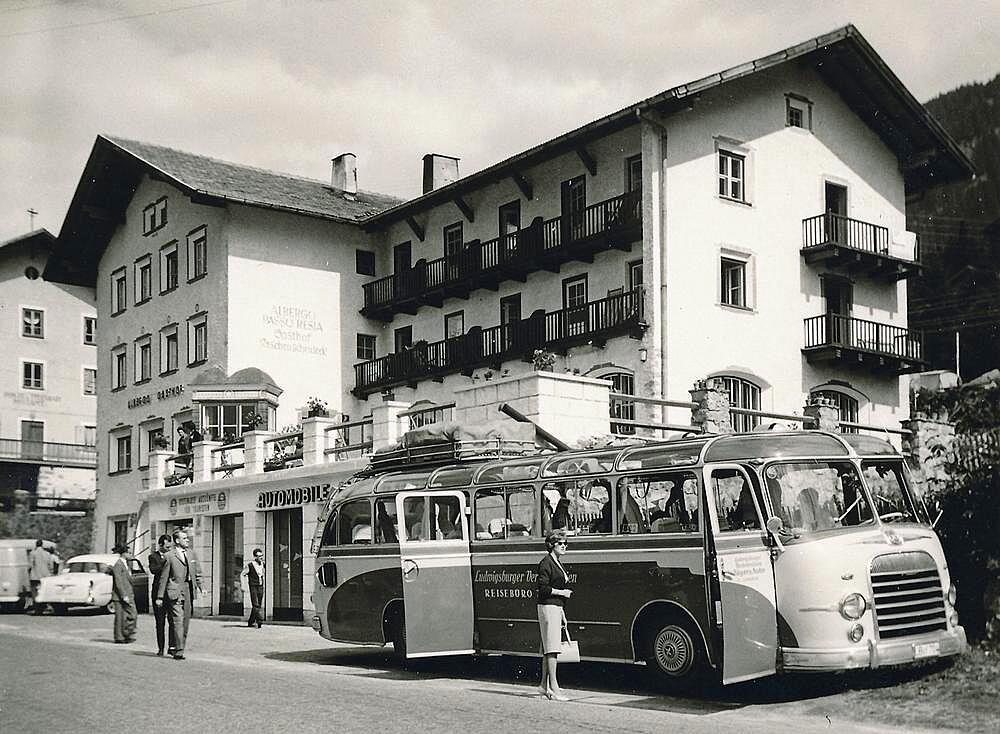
855	247
615	223
48	454
847	341
593	322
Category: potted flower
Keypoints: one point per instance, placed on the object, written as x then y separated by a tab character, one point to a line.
316	408
160	442
254	421
543	360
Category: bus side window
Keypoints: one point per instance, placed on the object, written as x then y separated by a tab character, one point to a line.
446	518
355	525
590	505
504	513
666	503
330	531
385	520
415	519
734	501
555	507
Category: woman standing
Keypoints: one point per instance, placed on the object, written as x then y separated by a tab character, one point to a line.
552	595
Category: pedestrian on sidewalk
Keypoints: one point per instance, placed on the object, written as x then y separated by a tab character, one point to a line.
123	596
254	574
40	565
157	560
175	590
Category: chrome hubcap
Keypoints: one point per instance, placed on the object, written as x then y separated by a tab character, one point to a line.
673	650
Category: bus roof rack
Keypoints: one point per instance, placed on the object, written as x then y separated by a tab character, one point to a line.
449	452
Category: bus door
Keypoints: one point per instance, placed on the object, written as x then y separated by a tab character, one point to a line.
437	573
747	609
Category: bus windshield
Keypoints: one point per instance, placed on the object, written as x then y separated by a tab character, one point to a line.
888	491
817	496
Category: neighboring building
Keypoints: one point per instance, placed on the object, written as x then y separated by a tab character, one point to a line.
749	225
48	403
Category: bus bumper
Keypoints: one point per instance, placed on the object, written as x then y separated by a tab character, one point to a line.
876	654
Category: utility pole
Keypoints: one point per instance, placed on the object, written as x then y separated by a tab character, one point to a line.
31	218
958	356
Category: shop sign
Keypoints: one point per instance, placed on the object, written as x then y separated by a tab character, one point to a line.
276	498
195	504
164	394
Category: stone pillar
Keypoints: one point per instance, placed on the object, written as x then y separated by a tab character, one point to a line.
824	413
314	439
202	460
157	471
712	413
928	449
568	406
254	451
387	425
650	372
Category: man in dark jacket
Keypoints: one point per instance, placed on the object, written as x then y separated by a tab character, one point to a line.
156	563
254	573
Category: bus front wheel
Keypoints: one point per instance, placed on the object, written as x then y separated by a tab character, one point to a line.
674	653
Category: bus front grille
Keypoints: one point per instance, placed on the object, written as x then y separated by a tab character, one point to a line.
908	598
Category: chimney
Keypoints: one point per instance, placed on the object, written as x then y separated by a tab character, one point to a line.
345	173
439	170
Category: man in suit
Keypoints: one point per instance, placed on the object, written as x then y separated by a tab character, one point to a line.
157	560
254	574
123	597
175	590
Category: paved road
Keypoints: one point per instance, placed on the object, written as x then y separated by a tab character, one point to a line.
65	674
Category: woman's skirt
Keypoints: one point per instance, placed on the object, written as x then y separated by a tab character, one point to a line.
550	619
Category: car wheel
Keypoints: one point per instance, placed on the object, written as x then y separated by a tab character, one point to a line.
675	654
108	608
60	609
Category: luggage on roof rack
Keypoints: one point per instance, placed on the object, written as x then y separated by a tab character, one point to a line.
449	441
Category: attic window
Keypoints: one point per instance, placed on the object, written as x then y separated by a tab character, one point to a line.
154	216
798	112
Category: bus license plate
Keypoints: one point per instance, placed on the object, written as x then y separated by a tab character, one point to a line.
926	650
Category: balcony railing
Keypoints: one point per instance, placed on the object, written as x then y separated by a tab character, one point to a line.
836	240
857	341
559	330
45	452
613	223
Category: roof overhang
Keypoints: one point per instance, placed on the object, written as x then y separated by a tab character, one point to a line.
928	156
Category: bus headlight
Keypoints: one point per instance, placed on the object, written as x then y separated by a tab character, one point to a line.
856	633
853	606
952	594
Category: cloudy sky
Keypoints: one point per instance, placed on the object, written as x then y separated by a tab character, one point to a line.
288	84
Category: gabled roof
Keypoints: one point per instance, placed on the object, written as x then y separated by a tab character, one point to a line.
38	237
116	167
843	58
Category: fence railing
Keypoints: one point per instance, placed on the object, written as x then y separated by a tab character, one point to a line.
47	452
837	229
520	250
349	440
845	331
479	347
228	460
283	450
977	452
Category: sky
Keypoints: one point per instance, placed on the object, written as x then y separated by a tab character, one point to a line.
289	84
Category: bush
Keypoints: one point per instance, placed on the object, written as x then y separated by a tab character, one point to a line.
72	534
971	409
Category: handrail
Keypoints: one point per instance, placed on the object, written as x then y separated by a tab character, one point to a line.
47	451
654	401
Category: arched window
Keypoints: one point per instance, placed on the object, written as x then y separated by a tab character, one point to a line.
623	383
847	406
742	394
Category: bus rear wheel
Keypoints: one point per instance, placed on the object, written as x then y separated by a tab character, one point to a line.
675	654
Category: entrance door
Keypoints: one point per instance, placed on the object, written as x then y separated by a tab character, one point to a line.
32	439
437	573
286	565
574	202
836	213
747	609
231	565
839	296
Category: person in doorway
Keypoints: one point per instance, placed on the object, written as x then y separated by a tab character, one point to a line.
40	565
254	574
175	590
123	597
553	591
157	560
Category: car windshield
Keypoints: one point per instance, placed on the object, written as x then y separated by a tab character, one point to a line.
87	567
888	490
817	496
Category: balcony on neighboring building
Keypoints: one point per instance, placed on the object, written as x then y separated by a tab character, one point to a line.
46	453
593	322
857	247
848	341
545	244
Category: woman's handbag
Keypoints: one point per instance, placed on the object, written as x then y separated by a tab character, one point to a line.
569	649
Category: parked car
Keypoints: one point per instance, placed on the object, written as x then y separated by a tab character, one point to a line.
15	590
86	581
